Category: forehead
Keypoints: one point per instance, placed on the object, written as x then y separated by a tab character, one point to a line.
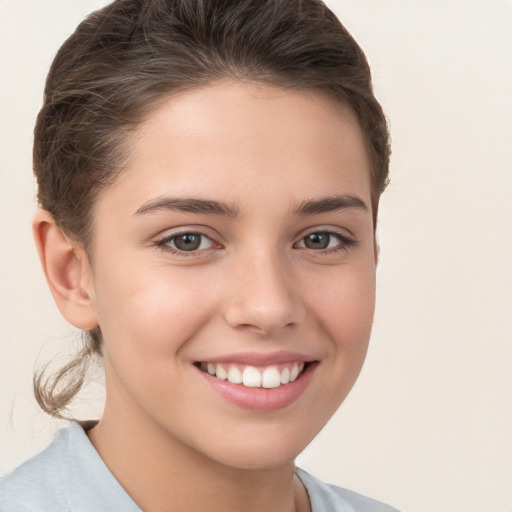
232	137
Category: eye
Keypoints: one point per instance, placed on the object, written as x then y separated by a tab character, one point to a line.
325	241
186	242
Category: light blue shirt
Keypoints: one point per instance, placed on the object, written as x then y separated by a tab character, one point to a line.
69	475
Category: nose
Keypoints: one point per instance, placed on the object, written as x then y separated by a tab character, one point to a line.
263	295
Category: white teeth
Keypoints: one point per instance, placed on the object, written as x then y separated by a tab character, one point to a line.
271	378
234	375
294	373
251	377
220	372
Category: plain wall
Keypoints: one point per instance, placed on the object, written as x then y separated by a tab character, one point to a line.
428	427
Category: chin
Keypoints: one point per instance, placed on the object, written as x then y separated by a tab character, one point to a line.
261	448
254	460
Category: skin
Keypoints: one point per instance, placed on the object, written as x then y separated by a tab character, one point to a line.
254	287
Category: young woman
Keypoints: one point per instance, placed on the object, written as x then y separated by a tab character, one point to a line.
209	175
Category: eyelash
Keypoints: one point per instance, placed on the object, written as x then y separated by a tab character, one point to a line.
164	244
345	243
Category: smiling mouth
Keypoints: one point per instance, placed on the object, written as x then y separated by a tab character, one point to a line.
269	377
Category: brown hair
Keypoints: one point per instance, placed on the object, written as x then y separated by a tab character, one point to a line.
123	59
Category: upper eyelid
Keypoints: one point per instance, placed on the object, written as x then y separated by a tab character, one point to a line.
341	237
183	230
216	238
343	232
170	236
167	244
345	241
167	238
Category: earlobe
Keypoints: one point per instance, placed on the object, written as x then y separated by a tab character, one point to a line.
67	272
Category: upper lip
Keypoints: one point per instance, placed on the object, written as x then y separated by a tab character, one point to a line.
260	359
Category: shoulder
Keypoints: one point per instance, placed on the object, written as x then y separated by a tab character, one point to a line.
36	483
68	475
336	499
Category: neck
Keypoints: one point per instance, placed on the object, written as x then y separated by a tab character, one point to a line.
161	473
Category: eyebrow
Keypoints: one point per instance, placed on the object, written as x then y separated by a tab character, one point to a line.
330	204
189	205
212	207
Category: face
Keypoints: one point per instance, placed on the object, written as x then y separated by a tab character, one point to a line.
233	271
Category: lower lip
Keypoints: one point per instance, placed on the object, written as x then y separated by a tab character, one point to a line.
261	399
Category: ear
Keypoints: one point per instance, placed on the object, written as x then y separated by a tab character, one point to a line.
67	270
376	250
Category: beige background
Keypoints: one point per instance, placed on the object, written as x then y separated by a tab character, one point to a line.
428	427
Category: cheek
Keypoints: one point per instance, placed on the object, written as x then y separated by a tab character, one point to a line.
344	302
151	311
